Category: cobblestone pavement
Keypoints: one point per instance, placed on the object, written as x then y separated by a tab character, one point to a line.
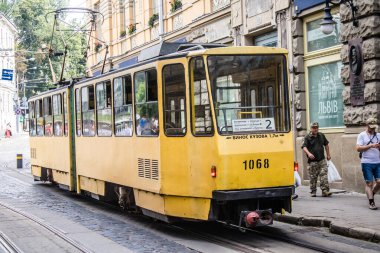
102	229
33	196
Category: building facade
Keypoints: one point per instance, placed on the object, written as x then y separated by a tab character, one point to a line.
128	26
319	69
8	89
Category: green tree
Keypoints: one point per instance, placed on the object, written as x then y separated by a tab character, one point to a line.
6	6
34	32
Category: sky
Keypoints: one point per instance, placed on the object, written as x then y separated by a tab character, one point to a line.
76	3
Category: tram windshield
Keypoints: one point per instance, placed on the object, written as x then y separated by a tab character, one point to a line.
249	93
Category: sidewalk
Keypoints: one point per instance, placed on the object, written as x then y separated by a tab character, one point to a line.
344	213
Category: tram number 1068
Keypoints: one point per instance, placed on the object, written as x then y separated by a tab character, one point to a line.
256	164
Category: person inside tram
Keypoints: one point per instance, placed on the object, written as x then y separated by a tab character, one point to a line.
154	123
144	126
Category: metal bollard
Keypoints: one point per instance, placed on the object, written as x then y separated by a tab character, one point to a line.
19	161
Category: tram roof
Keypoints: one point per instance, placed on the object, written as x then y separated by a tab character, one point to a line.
171	50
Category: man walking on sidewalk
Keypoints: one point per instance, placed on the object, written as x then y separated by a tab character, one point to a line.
368	144
314	145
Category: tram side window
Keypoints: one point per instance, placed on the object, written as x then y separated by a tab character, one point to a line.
40	118
201	109
146	103
88	111
57	115
174	100
32	119
48	117
122	94
78	114
103	107
65	114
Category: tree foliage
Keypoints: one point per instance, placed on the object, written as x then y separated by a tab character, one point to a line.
35	38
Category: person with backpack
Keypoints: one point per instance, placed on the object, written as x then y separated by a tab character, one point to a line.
368	146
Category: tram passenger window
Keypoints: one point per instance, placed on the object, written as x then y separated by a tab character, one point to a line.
146	103
103	107
48	118
32	119
40	118
65	116
57	115
122	94
200	109
174	100
88	111
78	112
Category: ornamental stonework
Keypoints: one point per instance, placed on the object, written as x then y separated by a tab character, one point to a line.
218	4
154	32
177	22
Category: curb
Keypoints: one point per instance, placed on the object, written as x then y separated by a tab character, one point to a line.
340	229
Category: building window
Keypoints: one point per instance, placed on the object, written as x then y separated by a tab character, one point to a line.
98	26
266	40
325	94
155	6
317	40
323	64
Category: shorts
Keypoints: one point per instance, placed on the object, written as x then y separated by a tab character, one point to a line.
370	171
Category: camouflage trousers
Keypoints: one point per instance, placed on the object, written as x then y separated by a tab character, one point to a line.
318	169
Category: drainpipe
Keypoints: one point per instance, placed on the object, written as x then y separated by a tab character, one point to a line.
161	19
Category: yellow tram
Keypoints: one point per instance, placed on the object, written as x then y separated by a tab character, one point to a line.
198	132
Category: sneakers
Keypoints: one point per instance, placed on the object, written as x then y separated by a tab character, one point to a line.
372	206
313	194
326	194
294	196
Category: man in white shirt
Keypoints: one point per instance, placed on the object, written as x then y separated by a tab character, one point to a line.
368	144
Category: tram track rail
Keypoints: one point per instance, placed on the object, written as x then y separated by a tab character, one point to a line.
284	239
220	241
229	243
249	248
7	245
45	225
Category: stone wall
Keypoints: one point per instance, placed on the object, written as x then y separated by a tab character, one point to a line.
297	66
354	117
369	31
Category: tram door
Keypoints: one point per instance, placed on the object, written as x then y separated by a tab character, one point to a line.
174	130
262	101
202	143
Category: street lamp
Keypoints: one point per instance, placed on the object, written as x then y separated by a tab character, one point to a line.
327	24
